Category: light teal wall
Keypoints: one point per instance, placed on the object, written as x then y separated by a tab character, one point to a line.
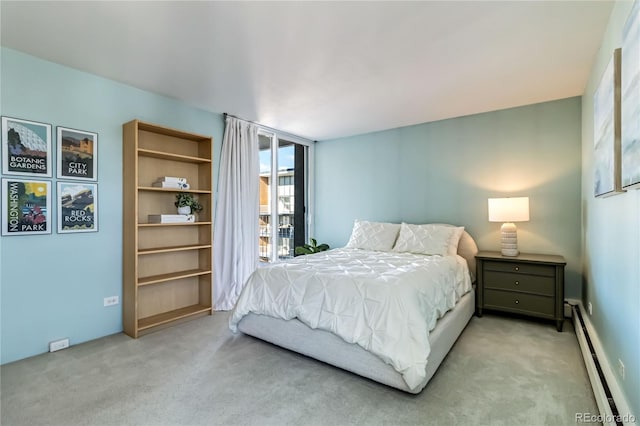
444	172
611	243
53	285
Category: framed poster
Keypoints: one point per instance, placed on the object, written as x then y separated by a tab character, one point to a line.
77	154
77	207
26	148
606	132
630	144
26	207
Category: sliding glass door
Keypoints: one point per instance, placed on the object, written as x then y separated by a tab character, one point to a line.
284	195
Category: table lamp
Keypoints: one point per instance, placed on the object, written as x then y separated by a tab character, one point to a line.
509	210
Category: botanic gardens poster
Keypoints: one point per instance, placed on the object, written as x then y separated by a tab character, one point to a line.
26	147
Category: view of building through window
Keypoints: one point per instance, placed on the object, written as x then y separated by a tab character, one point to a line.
282	212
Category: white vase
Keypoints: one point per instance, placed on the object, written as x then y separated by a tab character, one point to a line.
184	210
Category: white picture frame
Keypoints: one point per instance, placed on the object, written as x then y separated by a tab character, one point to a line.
26	206
26	148
77	154
77	207
630	141
606	131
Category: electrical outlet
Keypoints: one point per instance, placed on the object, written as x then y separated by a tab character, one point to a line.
621	368
56	345
110	301
590	309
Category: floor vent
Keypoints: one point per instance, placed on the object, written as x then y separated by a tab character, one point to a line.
601	391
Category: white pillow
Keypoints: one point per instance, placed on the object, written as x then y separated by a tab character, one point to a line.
373	235
433	239
455	238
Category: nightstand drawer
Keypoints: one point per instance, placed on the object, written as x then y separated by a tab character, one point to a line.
513	281
521	268
519	302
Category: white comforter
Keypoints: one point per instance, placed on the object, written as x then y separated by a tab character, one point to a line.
385	302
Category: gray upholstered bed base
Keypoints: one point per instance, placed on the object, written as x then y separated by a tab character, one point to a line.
329	348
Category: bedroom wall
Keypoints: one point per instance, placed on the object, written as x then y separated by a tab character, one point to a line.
611	243
444	172
53	285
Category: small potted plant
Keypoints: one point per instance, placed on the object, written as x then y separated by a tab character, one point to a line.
187	203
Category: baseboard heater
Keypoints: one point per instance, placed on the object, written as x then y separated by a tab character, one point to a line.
609	414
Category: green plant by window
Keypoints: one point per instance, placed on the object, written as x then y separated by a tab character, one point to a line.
186	199
311	248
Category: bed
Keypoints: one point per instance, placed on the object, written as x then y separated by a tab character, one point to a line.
388	308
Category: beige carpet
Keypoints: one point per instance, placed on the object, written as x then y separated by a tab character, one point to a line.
502	371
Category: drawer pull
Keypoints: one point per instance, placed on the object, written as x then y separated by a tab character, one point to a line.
517	283
517	268
517	301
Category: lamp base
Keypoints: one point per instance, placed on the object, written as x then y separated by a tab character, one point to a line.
509	239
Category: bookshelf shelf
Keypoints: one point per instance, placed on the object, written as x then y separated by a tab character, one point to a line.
147	225
161	278
169	156
171	316
173	248
193	191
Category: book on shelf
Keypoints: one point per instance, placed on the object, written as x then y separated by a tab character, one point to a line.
171	179
171	185
171	218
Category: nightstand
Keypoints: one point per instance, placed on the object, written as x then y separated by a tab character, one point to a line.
527	284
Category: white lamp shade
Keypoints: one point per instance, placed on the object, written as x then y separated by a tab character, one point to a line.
513	209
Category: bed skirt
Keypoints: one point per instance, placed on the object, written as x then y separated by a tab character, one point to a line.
327	347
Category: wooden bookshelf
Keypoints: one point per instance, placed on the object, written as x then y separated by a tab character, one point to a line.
167	267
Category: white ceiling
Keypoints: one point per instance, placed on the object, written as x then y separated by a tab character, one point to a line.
324	69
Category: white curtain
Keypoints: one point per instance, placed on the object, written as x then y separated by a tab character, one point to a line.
235	254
